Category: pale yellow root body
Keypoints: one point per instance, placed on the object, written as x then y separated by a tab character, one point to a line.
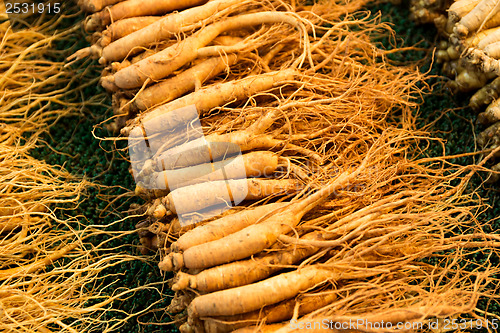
492	22
163	29
492	113
493	49
122	28
484	62
489	136
459	9
240	273
217	147
224	226
189	80
477	38
483	38
205	99
254	164
476	17
180	201
12	223
236	246
171	88
37	265
470	79
165	62
135	8
255	238
257	295
193	220
485	95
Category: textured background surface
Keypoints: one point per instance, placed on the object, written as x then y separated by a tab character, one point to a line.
82	154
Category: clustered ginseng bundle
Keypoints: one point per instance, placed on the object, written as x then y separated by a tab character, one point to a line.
338	214
50	279
469	51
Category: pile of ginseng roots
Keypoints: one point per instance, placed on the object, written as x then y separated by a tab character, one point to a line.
51	275
469	51
340	216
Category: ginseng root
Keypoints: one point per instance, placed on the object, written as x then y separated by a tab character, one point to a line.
491	115
252	297
165	62
164	29
122	28
224	226
161	119
460	8
252	239
473	20
240	273
135	8
490	136
37	265
254	164
486	95
189	80
197	197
